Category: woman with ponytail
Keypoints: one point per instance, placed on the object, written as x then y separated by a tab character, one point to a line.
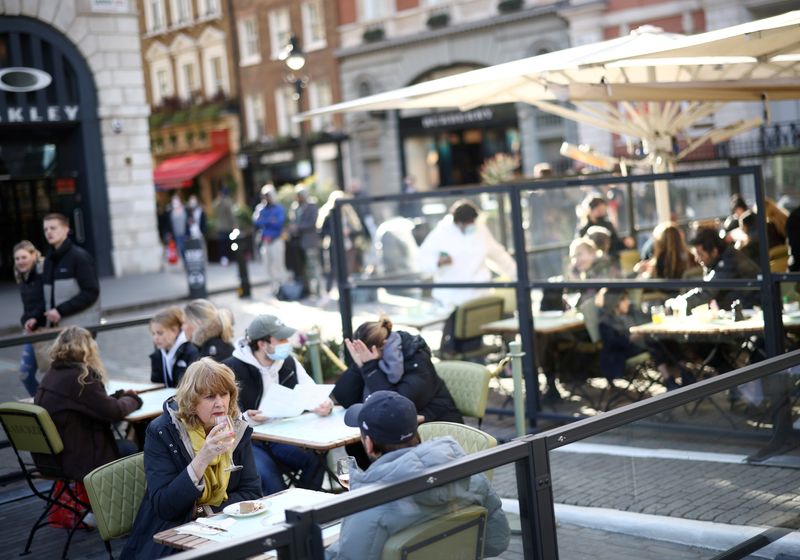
209	328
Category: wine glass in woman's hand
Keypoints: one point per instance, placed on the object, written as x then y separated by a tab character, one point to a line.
225	420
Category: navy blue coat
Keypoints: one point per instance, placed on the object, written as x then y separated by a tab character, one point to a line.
419	383
171	494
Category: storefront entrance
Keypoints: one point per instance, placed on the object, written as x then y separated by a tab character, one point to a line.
51	157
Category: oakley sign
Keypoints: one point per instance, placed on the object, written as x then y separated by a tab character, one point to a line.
19	79
24	80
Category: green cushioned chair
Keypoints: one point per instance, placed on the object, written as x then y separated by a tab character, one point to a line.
31	430
470	439
458	534
462	338
468	383
116	491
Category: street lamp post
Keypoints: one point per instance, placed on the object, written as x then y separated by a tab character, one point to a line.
294	59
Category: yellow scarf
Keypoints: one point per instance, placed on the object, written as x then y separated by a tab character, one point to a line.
215	476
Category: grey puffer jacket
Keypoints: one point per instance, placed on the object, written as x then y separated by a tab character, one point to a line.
364	534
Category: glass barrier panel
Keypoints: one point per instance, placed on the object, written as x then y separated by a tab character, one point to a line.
621	346
451	521
415	239
689	482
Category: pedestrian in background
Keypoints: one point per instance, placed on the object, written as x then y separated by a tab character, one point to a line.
226	222
269	218
303	227
178	223
196	225
28	268
71	288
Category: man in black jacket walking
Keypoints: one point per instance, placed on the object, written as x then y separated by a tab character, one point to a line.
71	288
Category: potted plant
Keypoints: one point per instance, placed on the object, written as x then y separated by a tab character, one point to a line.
374	34
506	6
435	21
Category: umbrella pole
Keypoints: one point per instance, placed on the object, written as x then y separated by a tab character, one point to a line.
662	190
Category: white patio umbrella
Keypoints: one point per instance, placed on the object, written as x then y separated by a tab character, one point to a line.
649	85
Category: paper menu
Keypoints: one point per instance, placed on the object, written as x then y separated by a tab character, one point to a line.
282	402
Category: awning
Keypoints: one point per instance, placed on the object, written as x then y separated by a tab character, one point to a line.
178	172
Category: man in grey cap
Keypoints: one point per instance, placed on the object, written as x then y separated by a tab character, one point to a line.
269	218
261	358
388	423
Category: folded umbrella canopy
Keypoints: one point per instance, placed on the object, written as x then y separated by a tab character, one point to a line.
649	85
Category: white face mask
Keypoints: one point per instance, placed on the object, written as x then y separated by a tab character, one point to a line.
282	351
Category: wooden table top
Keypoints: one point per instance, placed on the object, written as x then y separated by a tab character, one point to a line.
277	504
320	433
543	323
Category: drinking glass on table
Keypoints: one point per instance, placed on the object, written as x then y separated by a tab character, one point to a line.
657	314
344	467
226	420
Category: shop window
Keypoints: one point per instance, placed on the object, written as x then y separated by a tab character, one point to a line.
280	30
173	141
313	13
189	138
248	39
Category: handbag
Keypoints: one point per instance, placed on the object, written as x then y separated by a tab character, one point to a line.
172	252
74	497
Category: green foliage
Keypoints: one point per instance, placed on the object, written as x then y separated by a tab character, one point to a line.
330	371
374	35
505	6
499	168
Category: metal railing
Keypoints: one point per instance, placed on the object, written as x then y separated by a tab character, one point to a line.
300	537
767	283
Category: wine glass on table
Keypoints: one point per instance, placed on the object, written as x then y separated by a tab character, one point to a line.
344	467
226	421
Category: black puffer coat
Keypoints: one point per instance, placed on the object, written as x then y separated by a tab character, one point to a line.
419	383
31	291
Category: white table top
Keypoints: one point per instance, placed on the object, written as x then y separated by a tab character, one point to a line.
547	322
309	430
152	404
115	385
422	318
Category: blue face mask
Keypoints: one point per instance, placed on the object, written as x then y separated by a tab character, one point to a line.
470	229
282	352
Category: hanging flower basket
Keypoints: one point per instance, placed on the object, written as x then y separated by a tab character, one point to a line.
438	20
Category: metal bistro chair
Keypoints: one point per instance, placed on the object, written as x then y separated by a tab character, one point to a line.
458	534
462	338
30	429
470	439
468	383
116	491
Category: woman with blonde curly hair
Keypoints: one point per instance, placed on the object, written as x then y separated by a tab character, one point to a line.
73	392
209	328
188	453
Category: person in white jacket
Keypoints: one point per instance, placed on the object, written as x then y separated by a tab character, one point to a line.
462	249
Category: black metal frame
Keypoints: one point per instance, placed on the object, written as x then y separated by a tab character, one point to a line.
531	457
52	497
767	283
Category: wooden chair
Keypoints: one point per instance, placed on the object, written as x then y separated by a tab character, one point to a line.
458	534
462	338
468	383
116	491
31	430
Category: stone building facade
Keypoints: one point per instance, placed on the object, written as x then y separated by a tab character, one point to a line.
93	164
